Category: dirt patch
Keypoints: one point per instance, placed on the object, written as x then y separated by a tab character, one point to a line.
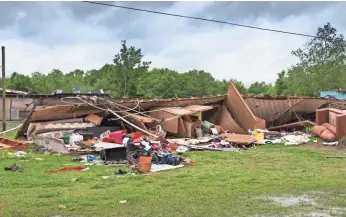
313	214
292	200
340	148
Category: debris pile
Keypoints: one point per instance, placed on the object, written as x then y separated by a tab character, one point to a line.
151	135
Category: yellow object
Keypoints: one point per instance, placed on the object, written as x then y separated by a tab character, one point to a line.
258	136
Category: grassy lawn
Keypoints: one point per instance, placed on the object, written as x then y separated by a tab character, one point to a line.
221	184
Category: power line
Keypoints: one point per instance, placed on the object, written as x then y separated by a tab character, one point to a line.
199	18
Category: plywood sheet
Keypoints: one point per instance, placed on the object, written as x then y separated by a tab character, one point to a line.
240	111
239	138
198	108
228	123
178	111
95	119
261	123
332	118
181	129
170	121
142	118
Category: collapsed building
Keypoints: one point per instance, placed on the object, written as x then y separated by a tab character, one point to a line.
231	113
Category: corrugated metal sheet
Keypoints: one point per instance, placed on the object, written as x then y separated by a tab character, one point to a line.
273	109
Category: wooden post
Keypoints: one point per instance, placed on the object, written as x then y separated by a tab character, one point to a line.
3	90
10	109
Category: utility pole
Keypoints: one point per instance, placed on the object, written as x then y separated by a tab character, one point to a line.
3	90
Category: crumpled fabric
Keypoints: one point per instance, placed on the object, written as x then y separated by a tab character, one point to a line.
66	169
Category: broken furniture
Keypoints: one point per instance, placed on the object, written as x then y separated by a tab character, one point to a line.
331	124
13	144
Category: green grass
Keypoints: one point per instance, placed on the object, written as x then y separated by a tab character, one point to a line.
10	125
221	184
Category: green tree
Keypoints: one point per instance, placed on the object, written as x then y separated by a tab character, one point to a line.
19	82
281	83
163	83
260	88
240	86
128	68
321	64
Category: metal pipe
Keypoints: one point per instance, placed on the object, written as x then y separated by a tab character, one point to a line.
3	90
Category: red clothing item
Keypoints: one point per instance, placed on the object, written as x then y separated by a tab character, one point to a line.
65	169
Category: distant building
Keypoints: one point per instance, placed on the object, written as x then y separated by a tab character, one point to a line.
337	94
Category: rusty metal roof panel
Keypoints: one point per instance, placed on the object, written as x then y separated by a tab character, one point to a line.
269	110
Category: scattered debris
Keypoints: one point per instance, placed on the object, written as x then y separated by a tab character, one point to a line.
14	168
152	135
330	143
20	154
161	167
120	172
296	139
13	144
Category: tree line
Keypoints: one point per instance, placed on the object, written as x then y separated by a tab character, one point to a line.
321	66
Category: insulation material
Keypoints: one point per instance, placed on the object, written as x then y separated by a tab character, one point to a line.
93	118
239	109
32	126
55	145
48	127
228	123
239	138
55	134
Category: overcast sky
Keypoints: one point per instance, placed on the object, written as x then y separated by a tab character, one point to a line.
41	36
